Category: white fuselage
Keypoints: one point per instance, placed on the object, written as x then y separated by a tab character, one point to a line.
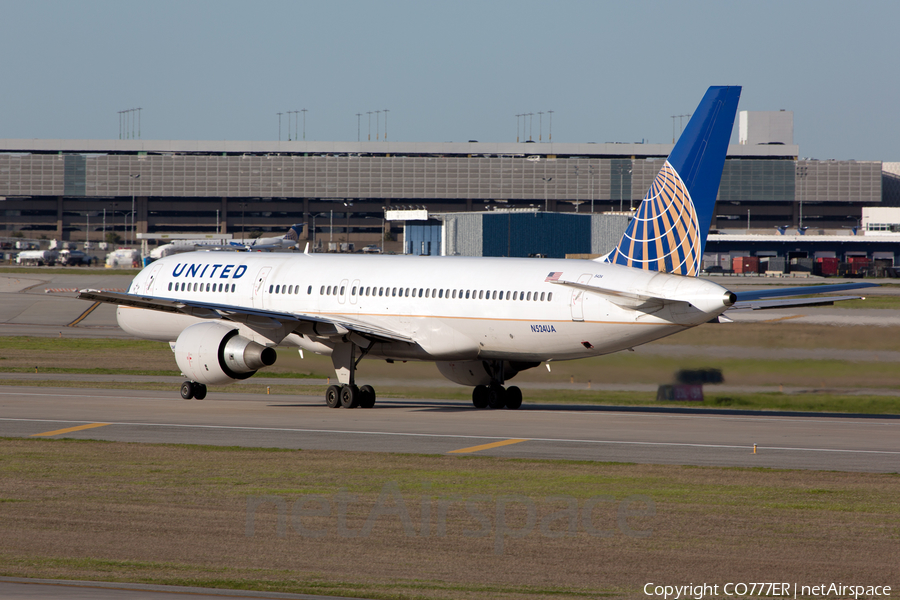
454	308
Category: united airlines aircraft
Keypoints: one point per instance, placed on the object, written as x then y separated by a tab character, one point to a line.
481	320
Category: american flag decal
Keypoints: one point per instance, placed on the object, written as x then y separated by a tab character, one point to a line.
554	276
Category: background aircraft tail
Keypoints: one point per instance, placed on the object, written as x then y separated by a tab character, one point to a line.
668	232
293	234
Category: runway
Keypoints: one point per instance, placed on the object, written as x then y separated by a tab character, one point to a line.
543	432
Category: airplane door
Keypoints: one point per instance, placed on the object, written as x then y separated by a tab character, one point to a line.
578	298
259	287
354	286
148	289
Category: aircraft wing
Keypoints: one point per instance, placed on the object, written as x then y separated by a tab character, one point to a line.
255	318
787	297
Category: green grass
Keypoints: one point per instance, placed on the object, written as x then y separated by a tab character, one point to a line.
175	514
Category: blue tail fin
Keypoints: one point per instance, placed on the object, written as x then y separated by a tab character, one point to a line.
293	234
668	233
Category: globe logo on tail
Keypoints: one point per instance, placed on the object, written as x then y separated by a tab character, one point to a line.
664	235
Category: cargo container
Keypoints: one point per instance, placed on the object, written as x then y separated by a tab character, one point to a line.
826	267
745	264
772	265
801	265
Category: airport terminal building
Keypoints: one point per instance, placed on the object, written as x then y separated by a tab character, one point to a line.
77	189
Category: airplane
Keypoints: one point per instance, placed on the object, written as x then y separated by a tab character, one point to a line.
288	240
481	320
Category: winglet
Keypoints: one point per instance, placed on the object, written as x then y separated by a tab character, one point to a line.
306	250
668	232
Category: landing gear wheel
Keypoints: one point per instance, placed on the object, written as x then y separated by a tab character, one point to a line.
187	390
496	397
199	391
513	397
333	396
349	396
480	396
366	396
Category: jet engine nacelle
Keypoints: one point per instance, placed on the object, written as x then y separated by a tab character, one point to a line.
214	354
478	372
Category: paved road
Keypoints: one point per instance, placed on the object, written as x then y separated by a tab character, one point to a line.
438	427
16	588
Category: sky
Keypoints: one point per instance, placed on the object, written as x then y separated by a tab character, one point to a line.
447	71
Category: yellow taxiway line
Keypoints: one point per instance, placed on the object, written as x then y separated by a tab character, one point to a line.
486	446
69	429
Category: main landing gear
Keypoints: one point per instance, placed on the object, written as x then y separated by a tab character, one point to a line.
348	395
496	396
192	389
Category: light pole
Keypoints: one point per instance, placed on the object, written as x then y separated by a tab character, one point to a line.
546	197
385	124
369	112
541	126
377	119
550	129
133	177
314	238
358	115
621	170
279	126
303	110
801	175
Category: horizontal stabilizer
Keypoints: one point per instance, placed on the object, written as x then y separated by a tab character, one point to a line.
790	302
801	291
630	300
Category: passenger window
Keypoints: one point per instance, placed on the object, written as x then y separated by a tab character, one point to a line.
428	293
322	291
353	291
515	295
454	294
467	294
549	296
381	291
542	296
440	293
495	295
529	296
328	291
195	287
207	287
342	290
